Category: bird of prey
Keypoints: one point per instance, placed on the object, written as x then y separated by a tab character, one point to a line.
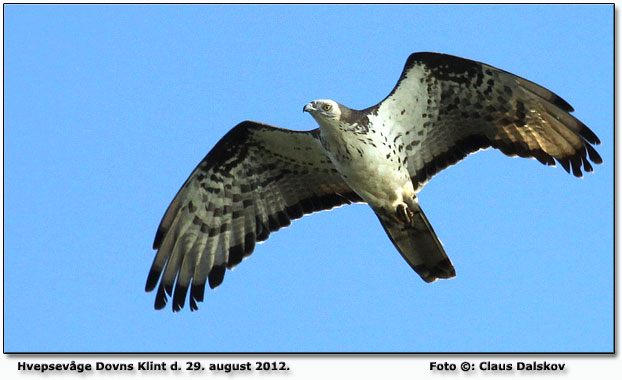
258	178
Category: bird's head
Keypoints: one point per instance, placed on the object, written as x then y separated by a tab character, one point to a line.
323	109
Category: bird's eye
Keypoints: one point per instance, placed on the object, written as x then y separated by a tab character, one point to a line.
326	107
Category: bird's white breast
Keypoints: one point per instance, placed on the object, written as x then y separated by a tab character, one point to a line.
368	163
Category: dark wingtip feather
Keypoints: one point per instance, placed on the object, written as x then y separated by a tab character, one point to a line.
589	135
161	299
197	292
543	158
193	305
236	254
262	229
586	165
294	212
593	154
152	280
561	103
283	219
196	295
565	163
575	163
179	297
157	241
168	289
216	275
249	243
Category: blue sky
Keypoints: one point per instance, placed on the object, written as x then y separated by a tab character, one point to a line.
108	109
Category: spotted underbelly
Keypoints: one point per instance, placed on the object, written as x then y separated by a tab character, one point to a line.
379	180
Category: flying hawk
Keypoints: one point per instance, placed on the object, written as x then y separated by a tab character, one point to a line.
258	178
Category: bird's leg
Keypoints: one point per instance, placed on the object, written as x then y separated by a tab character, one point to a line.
405	204
404	214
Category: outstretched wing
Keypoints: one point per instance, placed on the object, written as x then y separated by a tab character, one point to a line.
254	181
445	107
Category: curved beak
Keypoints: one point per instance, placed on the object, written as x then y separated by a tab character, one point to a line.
308	108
